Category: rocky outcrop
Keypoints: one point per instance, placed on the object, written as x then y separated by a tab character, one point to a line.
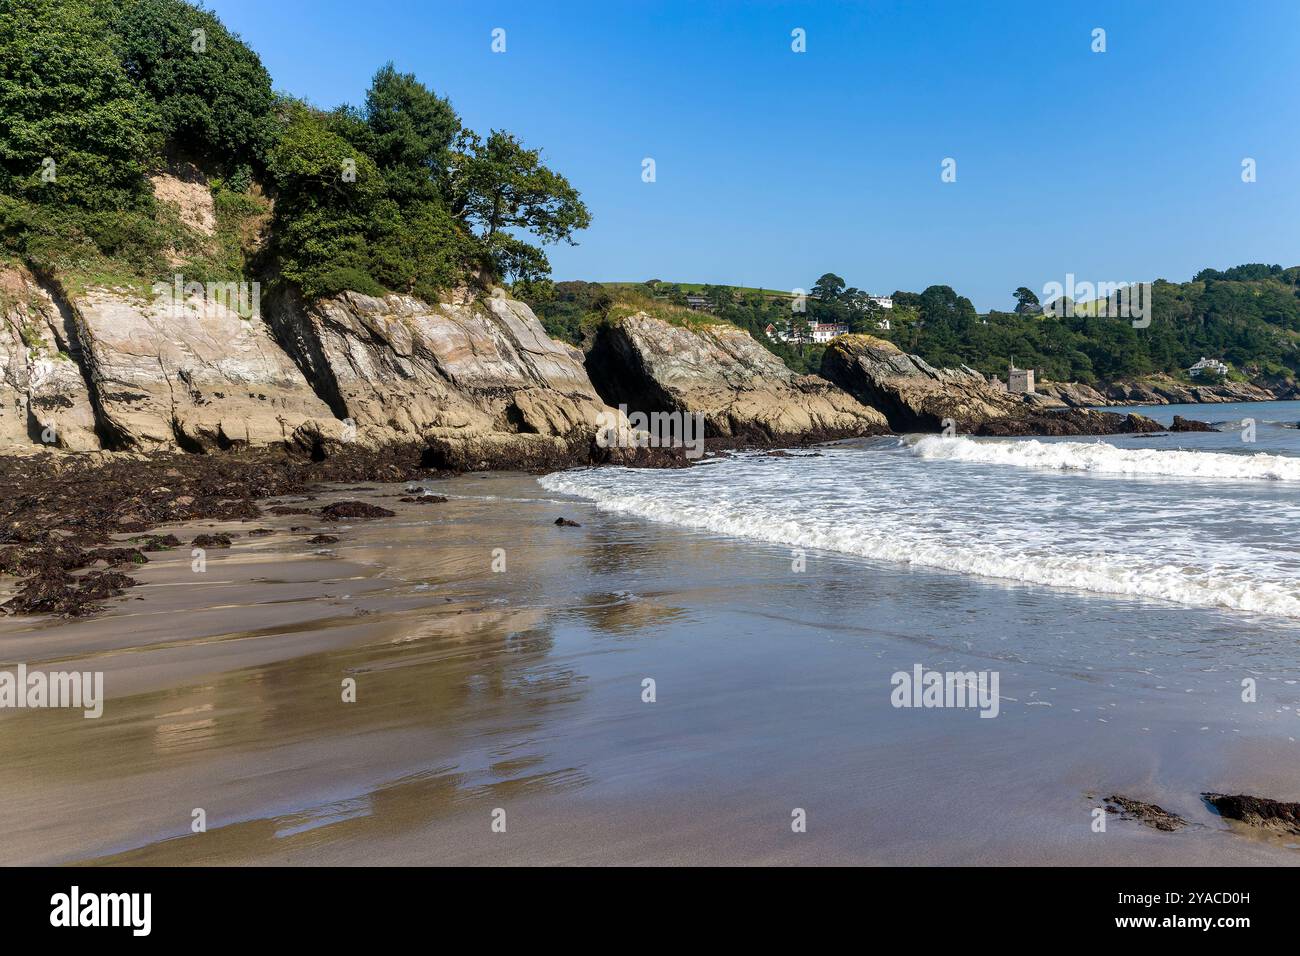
913	395
1181	424
191	372
917	397
1161	390
1074	394
44	399
1071	421
745	393
475	378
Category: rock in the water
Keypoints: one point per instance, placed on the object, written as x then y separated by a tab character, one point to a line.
1257	811
342	510
193	374
566	523
744	391
1189	425
477	379
1073	421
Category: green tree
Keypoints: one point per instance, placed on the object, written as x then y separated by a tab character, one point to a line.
212	93
828	288
74	129
1027	301
500	185
411	131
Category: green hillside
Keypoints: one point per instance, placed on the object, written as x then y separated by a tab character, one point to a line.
1248	316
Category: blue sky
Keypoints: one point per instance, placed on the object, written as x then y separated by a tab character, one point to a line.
774	167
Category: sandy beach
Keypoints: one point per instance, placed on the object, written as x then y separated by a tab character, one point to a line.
480	691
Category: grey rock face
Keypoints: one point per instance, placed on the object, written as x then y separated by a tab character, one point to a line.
743	390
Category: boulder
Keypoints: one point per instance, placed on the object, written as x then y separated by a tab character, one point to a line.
745	392
1181	424
475	378
912	394
192	372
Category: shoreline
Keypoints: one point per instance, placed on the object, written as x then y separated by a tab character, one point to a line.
522	691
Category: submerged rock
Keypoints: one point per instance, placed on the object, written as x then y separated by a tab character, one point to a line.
745	392
354	509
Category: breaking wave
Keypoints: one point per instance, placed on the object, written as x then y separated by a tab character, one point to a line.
1101	458
891	506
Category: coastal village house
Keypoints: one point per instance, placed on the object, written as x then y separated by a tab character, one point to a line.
818	333
1208	366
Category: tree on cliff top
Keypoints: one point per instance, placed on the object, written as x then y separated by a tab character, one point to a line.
212	93
499	185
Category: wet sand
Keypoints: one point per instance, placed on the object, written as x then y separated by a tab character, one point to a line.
521	691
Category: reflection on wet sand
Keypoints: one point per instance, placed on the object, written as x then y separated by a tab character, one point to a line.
521	690
432	660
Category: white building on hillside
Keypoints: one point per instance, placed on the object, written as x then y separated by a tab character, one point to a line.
1212	366
882	301
819	332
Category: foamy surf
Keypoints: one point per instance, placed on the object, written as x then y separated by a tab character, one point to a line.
1103	458
1177	543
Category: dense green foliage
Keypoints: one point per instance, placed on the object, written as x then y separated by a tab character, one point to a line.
97	95
1248	316
212	95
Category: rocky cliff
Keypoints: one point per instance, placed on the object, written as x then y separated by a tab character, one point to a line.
476	379
192	374
744	392
44	397
913	395
916	396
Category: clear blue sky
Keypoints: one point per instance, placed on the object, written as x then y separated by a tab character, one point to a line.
774	167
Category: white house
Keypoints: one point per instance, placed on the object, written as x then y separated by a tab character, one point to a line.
882	301
884	325
1213	366
825	331
819	333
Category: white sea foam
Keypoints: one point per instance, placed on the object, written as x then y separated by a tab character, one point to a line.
1185	543
1103	458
